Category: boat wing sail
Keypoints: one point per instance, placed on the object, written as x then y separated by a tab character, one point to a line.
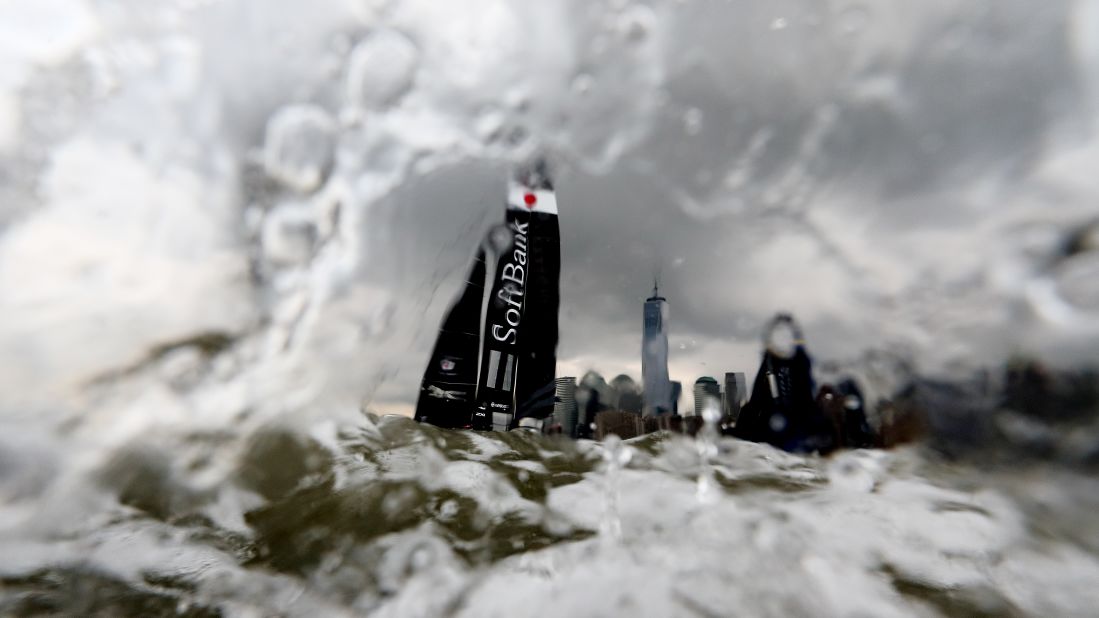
518	360
494	373
535	389
449	385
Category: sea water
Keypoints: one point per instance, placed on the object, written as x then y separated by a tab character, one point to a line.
388	517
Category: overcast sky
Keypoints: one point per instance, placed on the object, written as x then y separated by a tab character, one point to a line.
856	180
900	177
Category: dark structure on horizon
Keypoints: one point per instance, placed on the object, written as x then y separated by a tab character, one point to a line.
625	394
706	388
654	356
783	410
736	393
566	413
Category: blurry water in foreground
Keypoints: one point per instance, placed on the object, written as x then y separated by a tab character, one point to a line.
402	519
229	226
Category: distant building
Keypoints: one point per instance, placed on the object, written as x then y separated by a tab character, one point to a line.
626	394
565	411
677	392
592	395
595	382
673	423
736	393
654	356
625	425
706	388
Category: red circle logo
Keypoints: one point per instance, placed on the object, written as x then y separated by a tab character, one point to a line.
530	199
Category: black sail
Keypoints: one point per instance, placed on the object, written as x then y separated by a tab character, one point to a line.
512	330
535	388
503	321
449	385
518	360
782	410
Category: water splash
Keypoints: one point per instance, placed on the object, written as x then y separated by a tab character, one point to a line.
616	455
299	145
707	445
381	69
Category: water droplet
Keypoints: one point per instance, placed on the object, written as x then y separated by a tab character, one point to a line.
289	236
299	146
1077	281
706	443
381	69
692	121
582	83
421	558
448	509
711	412
777	422
782	340
615	456
499	239
779	23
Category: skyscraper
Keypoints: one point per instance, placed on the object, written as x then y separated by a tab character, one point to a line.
565	410
654	356
706	388
625	394
736	393
591	396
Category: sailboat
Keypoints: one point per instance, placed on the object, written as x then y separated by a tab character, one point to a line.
782	410
494	362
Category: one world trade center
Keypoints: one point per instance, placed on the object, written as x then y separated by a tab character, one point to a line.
654	356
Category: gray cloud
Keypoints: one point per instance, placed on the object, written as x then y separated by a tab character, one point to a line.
887	137
861	165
